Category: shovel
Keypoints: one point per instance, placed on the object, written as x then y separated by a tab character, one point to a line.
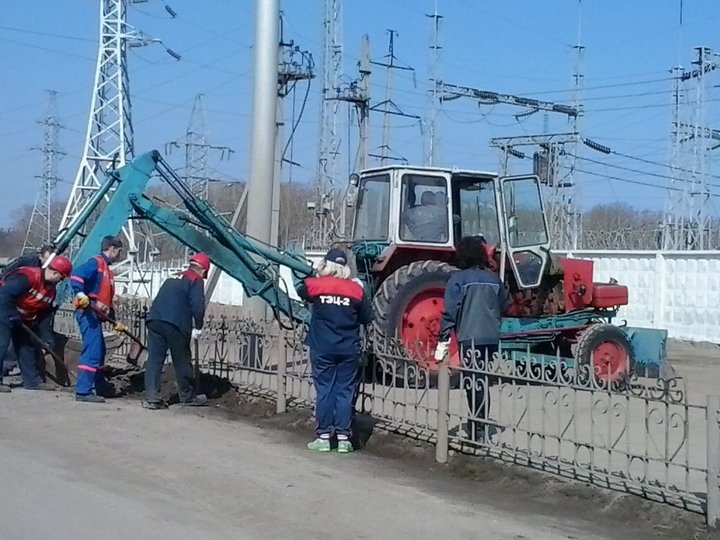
136	347
59	362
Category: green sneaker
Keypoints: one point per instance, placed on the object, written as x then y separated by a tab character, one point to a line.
344	447
319	445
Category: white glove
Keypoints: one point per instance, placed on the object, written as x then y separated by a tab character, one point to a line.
195	334
441	351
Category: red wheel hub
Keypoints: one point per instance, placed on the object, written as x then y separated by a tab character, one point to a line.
610	361
420	327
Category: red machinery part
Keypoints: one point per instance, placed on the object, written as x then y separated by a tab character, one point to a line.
420	327
610	361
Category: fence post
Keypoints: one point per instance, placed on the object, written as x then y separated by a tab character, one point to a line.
443	410
712	512
282	350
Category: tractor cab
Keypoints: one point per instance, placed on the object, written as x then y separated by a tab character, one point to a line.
406	214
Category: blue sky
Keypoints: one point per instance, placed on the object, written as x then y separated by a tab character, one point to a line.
514	46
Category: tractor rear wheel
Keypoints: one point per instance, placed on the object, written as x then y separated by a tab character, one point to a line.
408	306
604	353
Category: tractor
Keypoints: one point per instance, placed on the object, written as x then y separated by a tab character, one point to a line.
406	224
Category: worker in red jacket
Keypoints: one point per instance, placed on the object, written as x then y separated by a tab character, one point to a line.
93	284
176	317
339	309
26	298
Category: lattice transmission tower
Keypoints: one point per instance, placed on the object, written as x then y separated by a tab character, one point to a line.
43	224
109	137
686	222
338	88
197	151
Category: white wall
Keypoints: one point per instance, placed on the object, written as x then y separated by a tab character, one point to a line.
228	291
675	290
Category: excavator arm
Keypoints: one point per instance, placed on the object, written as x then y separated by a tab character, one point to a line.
201	228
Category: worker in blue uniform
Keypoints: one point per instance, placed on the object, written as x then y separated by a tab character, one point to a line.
339	309
26	299
93	285
175	318
475	301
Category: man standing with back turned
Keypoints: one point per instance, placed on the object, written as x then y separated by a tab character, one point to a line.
176	317
94	287
475	301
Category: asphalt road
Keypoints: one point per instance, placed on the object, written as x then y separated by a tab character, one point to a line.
117	471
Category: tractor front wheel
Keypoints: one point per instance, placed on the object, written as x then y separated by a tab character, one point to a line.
408	306
604	354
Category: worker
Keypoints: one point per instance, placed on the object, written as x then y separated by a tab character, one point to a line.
339	310
26	298
32	259
93	285
176	317
475	300
427	222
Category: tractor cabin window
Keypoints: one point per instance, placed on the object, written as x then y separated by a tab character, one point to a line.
475	207
525	219
424	204
373	208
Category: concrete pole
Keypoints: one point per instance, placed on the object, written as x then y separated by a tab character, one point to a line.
262	143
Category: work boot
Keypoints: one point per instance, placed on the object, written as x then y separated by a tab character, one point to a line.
42	386
89	398
198	401
155	405
4	389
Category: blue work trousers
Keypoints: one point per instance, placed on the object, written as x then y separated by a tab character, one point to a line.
334	378
92	357
25	352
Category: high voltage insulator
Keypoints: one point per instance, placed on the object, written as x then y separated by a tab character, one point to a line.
597	146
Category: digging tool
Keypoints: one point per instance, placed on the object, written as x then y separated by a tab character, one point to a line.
58	361
136	348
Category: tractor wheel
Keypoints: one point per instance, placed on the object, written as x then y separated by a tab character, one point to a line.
605	353
408	305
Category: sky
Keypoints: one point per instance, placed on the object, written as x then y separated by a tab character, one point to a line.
520	47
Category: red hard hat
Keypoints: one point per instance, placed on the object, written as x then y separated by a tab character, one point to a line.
61	264
201	259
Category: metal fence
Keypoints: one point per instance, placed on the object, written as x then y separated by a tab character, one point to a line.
636	435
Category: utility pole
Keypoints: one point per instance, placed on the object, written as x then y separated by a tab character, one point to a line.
566	225
362	106
432	145
263	131
294	65
42	225
387	107
109	138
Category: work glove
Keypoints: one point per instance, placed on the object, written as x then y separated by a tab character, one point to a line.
81	301
195	334
120	327
441	351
